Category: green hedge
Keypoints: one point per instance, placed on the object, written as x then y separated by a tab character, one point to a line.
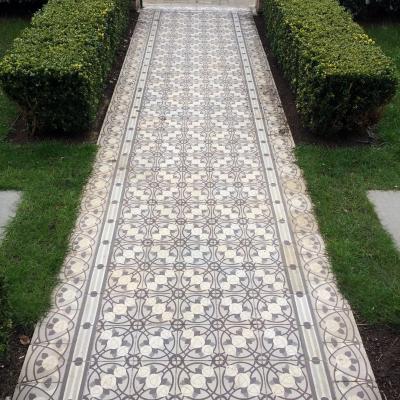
371	7
56	70
340	78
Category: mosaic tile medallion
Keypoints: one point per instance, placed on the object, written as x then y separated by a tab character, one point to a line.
196	269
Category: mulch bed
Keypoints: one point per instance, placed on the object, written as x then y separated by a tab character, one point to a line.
11	367
381	342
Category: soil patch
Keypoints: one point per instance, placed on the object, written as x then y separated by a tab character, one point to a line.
382	344
11	367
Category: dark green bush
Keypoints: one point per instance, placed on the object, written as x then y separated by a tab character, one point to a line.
56	70
371	7
340	78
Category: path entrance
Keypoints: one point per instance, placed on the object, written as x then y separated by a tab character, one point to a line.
249	4
196	269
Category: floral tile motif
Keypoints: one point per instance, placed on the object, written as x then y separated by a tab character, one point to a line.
196	268
202	379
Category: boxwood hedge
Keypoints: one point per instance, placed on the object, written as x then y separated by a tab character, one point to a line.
57	68
340	77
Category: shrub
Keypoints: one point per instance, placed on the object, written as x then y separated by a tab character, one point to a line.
371	6
57	69
340	78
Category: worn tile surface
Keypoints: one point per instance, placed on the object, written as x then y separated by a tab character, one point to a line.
196	268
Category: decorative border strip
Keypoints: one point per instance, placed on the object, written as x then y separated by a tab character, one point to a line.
346	359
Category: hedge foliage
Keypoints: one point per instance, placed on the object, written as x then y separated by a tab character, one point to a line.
56	70
340	77
370	7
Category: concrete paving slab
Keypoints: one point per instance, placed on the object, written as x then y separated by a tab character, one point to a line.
9	201
387	206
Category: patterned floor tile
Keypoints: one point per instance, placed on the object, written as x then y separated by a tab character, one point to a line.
196	268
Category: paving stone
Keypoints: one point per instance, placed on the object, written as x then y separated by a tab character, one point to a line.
9	201
196	269
387	206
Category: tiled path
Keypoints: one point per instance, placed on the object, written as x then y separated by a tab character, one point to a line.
196	269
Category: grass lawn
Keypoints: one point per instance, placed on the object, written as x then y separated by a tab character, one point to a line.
363	255
51	176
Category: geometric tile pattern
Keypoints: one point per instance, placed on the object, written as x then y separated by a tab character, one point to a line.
196	269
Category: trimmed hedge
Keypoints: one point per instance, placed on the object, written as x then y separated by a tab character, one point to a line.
340	78
56	70
370	7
